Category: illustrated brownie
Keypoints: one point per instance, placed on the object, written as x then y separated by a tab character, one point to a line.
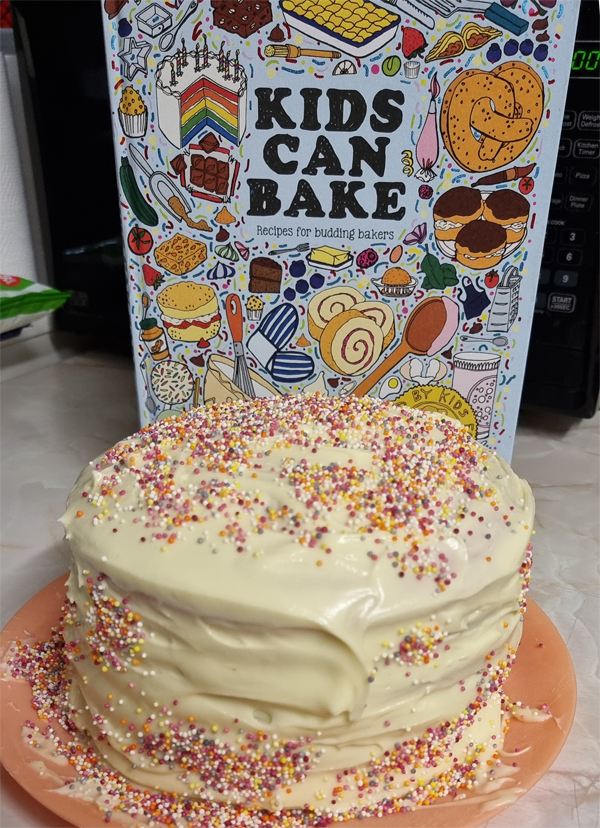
241	17
209	174
265	275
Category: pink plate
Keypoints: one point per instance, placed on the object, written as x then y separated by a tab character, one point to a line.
542	675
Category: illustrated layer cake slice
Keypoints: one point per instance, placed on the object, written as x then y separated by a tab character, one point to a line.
200	89
265	275
301	605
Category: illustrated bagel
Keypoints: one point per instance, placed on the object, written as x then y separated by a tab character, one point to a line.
489	118
328	303
351	343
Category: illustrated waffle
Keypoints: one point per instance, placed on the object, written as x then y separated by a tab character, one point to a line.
209	174
241	17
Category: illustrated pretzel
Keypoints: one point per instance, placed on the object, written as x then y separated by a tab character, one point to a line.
489	118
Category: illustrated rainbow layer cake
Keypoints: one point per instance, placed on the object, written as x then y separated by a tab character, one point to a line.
299	608
200	89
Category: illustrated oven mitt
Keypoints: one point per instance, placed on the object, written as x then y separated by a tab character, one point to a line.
274	332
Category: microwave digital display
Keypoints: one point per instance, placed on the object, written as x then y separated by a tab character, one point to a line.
586	61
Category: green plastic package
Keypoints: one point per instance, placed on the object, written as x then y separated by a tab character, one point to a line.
23	302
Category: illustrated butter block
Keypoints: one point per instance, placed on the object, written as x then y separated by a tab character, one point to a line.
329	256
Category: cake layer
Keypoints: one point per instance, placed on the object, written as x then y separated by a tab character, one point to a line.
276	593
204	94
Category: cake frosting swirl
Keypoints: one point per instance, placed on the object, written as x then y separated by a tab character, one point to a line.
298	603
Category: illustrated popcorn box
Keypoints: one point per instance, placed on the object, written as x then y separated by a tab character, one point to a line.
339	193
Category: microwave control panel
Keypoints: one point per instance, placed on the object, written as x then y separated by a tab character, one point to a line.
562	366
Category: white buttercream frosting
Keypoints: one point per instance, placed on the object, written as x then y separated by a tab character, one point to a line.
315	583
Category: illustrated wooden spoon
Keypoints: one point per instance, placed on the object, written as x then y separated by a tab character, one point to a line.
428	329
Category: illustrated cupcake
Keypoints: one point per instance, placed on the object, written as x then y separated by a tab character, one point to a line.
254	308
395	282
133	113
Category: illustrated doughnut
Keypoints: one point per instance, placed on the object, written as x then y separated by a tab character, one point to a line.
383	315
351	343
172	382
489	118
327	304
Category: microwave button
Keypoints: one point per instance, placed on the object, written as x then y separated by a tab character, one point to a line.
544	276
564	148
581	175
569	119
547	255
579	202
576	237
540	301
556	201
569	257
550	235
566	278
588	120
560	175
587	148
561	302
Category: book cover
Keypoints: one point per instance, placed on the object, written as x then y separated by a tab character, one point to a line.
344	196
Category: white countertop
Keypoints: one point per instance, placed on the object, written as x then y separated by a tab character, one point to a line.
56	419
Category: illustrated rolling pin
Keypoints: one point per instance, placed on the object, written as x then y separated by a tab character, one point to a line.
429	328
290	51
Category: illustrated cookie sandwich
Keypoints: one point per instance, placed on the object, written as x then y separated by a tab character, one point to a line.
190	312
480	244
511	210
265	275
454	209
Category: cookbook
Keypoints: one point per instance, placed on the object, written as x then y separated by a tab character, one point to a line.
343	196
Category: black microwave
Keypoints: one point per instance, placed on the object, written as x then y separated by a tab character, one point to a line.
562	363
85	256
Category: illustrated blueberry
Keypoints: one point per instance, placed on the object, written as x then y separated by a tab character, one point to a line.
541	53
494	53
526	47
317	280
302	286
511	48
297	269
289	294
124	27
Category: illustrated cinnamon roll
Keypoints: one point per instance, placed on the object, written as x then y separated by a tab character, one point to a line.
383	315
327	304
351	343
